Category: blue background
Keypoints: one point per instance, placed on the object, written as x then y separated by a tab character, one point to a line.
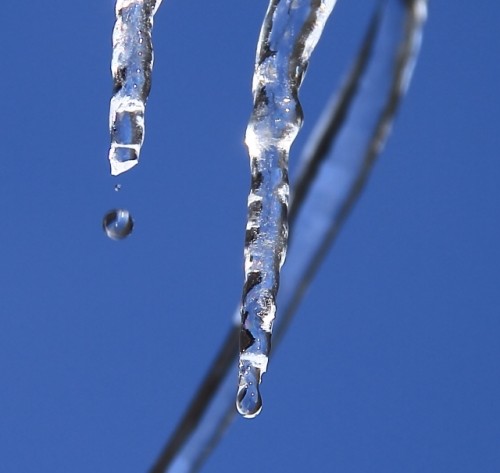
392	364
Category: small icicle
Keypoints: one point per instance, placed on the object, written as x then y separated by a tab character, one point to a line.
289	34
131	68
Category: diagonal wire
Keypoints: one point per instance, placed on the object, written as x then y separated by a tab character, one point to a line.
334	171
334	168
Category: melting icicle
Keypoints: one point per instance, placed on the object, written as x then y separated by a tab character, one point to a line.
211	410
131	68
118	224
289	34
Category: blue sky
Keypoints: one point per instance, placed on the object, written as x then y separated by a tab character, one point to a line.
392	362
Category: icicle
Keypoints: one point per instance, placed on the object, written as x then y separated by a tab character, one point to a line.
210	412
289	34
131	68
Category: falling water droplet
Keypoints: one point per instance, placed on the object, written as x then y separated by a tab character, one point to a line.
118	187
118	224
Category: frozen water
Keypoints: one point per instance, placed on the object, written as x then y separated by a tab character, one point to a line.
131	67
391	46
289	34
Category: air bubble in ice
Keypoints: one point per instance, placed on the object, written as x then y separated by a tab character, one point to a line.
118	224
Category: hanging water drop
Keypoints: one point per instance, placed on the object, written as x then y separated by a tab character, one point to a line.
248	399
118	224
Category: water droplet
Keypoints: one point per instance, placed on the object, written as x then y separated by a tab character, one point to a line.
118	187
118	224
248	399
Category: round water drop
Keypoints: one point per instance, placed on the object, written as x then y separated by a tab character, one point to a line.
118	187
118	224
248	398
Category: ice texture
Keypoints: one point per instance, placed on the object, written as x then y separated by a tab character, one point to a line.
393	40
131	68
289	34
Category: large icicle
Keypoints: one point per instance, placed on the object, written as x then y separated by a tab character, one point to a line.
289	34
211	411
131	68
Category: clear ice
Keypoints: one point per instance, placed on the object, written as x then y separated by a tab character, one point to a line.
118	224
374	87
131	67
289	34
